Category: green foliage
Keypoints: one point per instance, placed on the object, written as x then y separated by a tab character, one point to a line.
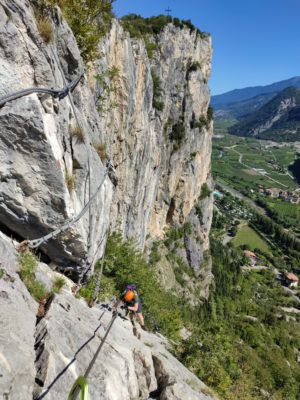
139	27
179	278
158	105
198	211
76	131
1	273
151	48
286	128
107	86
178	133
205	192
167	127
198	124
101	151
210	113
70	180
154	255
27	264
58	284
125	264
157	90
233	353
43	24
188	228
89	21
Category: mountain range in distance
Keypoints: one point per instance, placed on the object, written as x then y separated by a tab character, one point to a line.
266	112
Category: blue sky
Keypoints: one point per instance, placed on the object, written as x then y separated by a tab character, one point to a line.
255	42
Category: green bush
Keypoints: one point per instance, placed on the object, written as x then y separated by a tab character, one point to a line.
27	264
198	211
178	133
157	90
205	192
150	48
138	26
89	20
210	114
43	24
124	264
107	86
58	284
198	124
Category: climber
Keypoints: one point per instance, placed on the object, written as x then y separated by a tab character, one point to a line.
132	300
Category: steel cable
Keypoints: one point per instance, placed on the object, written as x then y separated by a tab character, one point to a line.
37	242
60	93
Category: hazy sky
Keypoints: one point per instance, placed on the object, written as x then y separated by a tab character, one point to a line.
255	42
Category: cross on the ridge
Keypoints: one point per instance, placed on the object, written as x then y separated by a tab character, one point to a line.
168	10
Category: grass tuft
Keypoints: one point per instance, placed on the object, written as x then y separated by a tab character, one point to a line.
70	180
44	26
58	284
27	263
101	151
76	131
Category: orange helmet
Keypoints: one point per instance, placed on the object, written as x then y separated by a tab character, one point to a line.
129	295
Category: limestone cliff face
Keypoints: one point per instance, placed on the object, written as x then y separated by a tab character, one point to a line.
37	151
160	175
158	184
161	157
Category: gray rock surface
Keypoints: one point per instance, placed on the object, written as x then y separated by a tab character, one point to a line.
44	360
158	184
17	328
126	368
159	180
36	148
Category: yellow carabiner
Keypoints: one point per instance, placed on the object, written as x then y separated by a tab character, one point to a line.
82	383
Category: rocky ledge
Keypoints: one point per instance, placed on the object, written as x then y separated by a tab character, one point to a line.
42	357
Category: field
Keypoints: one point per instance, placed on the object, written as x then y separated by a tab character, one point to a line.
285	209
221	125
235	159
248	236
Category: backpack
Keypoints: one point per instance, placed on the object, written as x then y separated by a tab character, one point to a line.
133	288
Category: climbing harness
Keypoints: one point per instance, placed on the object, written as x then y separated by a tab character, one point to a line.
37	242
81	384
60	93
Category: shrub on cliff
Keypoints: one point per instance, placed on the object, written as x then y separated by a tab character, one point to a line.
28	263
138	26
157	90
89	20
125	264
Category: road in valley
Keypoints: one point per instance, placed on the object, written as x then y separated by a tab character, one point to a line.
254	169
237	194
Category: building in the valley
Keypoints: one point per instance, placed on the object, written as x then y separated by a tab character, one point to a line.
291	279
273	192
253	257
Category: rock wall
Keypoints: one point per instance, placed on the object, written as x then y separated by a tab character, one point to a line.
159	177
42	357
37	151
158	185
